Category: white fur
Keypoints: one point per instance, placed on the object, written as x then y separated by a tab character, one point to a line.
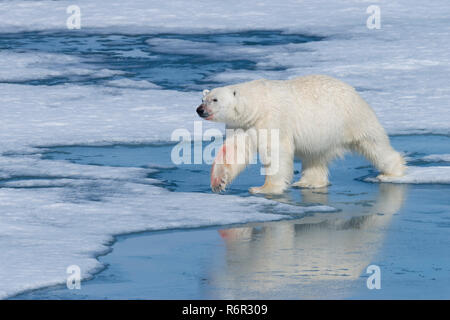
319	118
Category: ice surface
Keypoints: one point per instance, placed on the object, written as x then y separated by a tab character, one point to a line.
127	83
437	158
73	114
418	175
55	213
19	66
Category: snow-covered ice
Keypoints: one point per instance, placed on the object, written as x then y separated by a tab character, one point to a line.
436	158
418	175
56	213
20	66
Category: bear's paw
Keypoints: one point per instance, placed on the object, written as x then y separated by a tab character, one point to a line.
219	177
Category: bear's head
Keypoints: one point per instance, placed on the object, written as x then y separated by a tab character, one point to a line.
220	105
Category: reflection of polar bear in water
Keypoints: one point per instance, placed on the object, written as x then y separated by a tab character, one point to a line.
318	118
320	256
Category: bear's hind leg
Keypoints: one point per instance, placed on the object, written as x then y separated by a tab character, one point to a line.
314	174
388	161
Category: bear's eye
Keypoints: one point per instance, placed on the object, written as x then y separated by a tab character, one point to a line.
215	100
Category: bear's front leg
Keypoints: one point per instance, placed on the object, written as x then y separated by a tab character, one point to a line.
278	163
314	174
237	151
222	173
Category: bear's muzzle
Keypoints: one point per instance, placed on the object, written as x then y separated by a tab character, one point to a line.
201	111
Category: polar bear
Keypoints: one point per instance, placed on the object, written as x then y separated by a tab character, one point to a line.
317	117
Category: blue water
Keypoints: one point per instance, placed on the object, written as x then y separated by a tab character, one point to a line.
403	229
170	69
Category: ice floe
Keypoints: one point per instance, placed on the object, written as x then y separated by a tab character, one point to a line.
418	175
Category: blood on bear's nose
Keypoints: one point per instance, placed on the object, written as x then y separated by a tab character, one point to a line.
201	111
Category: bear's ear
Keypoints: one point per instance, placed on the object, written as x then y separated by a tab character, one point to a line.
205	92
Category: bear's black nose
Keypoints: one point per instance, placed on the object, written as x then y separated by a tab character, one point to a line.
201	111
